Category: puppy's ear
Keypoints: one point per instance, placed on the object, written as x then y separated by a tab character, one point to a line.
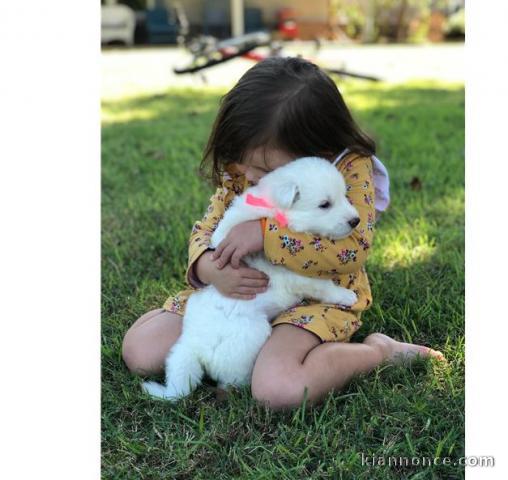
286	195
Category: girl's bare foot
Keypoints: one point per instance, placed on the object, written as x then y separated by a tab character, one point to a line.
397	352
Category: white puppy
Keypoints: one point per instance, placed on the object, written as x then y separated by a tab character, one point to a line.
223	336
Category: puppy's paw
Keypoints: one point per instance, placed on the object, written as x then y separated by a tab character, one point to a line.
347	297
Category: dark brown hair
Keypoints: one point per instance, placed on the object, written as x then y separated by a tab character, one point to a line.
285	103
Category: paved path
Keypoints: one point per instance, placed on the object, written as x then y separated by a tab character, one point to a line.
149	70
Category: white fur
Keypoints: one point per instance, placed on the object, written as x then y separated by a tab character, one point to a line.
223	336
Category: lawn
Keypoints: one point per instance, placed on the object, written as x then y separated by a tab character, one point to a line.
151	147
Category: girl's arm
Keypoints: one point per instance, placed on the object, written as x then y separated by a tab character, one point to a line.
242	283
313	256
202	230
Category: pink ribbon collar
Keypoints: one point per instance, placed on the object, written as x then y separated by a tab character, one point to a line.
261	202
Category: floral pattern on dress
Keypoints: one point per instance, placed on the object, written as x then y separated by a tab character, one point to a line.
303	320
333	271
292	244
364	244
370	222
318	244
308	263
176	304
278	261
346	256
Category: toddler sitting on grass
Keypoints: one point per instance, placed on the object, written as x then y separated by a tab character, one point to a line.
280	110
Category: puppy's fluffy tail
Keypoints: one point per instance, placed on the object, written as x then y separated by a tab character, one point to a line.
154	389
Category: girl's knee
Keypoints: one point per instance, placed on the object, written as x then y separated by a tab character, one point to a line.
133	355
278	390
145	346
137	357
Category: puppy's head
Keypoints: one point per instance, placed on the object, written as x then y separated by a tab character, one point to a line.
312	194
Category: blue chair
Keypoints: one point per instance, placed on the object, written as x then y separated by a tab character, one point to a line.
253	18
161	27
216	21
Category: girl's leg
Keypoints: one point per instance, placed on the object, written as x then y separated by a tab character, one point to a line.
147	342
293	359
144	318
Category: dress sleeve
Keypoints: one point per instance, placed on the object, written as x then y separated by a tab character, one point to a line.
199	241
316	256
202	230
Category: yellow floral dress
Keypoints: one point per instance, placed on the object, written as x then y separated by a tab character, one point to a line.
343	260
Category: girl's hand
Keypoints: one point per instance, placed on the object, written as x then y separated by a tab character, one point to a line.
242	283
243	239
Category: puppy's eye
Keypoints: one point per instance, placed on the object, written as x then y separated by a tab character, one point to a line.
325	205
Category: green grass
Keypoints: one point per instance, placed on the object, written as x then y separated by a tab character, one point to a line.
151	196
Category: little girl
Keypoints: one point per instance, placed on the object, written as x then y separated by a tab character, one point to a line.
280	110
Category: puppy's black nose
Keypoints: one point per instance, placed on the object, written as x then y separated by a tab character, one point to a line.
354	222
